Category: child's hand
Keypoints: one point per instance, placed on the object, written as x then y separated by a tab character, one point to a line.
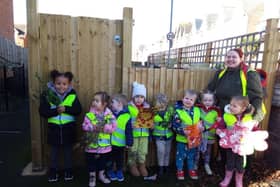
98	128
201	126
187	132
219	119
60	109
127	147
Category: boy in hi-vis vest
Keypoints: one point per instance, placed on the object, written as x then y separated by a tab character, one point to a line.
186	124
121	138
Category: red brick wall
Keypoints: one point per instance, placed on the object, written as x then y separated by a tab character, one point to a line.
7	19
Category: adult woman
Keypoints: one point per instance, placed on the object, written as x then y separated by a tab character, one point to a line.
237	79
228	82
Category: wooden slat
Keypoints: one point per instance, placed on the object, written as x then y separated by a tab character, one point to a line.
33	67
127	43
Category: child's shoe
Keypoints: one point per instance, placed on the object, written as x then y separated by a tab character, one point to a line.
68	175
53	175
227	179
92	179
239	179
208	169
193	174
103	178
120	176
180	175
112	176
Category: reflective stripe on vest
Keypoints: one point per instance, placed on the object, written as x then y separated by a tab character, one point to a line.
140	132
63	118
104	139
187	121
118	136
230	119
243	84
158	129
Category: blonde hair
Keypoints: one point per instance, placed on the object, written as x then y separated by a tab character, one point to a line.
244	100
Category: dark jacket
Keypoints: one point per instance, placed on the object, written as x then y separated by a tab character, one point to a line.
60	134
128	128
230	85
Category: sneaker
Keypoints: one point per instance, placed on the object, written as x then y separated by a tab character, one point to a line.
193	174
68	175
103	178
208	169
53	175
92	179
120	176
112	175
180	175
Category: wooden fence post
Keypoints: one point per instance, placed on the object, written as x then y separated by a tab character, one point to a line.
126	46
270	57
208	52
34	87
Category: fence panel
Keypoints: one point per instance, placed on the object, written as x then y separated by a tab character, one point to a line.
172	82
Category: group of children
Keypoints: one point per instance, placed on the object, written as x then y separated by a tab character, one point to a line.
112	126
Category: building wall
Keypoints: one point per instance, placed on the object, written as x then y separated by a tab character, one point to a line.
7	19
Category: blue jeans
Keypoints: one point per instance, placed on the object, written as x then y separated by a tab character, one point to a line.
183	153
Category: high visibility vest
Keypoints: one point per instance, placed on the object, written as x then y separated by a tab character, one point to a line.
187	121
243	79
159	130
63	118
104	139
231	119
118	136
209	119
133	111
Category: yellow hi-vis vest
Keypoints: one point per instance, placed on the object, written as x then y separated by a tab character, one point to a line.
118	136
104	139
230	119
243	83
63	118
209	119
159	130
187	121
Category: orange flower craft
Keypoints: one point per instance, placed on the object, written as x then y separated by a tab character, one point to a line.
193	136
145	118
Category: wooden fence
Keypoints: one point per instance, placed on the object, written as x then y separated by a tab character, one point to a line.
82	45
172	82
86	47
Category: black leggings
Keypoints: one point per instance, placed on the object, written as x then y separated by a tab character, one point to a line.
234	161
96	161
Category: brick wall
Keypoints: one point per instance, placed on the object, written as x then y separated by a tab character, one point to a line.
7	19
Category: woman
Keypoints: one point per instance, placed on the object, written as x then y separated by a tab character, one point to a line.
228	82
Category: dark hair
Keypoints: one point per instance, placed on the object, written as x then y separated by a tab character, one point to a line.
105	98
238	51
120	98
201	95
245	102
54	74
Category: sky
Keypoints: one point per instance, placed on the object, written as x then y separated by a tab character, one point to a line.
151	17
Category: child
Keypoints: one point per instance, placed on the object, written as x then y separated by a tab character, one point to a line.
137	153
237	114
162	132
60	105
99	123
211	116
187	116
122	137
